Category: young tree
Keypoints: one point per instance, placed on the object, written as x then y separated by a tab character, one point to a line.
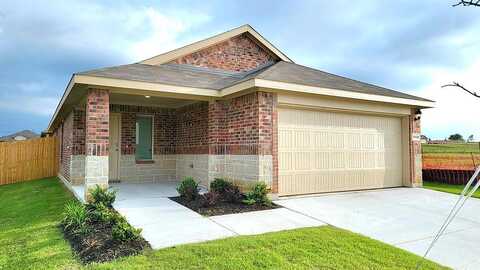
455	137
470	138
475	3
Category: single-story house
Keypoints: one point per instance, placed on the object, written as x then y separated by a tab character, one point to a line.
235	106
19	136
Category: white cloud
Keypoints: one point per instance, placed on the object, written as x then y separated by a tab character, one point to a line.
164	33
43	106
455	111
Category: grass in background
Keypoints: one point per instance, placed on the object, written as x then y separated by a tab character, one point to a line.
451	148
454	189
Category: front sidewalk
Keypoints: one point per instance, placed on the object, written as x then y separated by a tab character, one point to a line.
165	223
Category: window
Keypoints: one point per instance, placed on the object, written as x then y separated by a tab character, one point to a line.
143	138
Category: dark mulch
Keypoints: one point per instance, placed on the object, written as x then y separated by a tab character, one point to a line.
99	246
222	207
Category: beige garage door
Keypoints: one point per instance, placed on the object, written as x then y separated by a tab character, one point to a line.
322	151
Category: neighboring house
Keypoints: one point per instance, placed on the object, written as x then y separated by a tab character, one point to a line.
424	139
20	136
235	106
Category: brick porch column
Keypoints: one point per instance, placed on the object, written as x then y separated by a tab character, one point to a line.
96	139
415	149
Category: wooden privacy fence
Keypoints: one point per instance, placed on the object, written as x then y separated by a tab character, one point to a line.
28	160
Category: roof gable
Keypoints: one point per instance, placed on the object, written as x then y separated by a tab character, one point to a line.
239	53
243	41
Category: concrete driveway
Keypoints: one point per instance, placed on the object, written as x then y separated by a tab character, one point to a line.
407	218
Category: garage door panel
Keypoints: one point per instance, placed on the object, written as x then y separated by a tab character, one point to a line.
329	151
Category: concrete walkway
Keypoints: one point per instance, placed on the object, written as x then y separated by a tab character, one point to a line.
407	218
165	223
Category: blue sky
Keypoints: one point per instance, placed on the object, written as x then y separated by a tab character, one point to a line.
410	46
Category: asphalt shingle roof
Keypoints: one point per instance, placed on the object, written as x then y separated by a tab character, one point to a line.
189	76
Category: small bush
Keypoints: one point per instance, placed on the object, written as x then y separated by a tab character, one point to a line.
232	194
122	231
219	185
249	201
210	199
75	217
101	213
102	195
257	195
188	189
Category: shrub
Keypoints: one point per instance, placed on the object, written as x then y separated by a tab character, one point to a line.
75	217
210	198
102	195
188	189
101	213
232	194
219	185
257	195
123	231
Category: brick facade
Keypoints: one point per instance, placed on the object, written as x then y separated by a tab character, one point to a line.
238	132
242	125
67	145
192	129
164	128
78	132
239	53
97	123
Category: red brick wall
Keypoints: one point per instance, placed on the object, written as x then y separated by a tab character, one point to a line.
97	122
78	136
239	53
66	140
192	129
217	130
243	125
163	133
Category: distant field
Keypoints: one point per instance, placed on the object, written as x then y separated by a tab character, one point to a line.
451	148
450	156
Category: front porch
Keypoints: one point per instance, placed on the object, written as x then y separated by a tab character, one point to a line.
127	191
120	139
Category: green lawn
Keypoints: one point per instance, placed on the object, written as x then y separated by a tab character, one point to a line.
455	189
451	148
30	239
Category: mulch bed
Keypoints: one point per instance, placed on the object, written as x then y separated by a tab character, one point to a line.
99	246
222	208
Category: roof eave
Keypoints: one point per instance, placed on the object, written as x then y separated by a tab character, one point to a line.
299	88
227	91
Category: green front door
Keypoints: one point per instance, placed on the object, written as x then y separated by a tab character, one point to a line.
144	138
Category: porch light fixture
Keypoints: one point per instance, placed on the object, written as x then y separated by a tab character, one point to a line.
147	96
